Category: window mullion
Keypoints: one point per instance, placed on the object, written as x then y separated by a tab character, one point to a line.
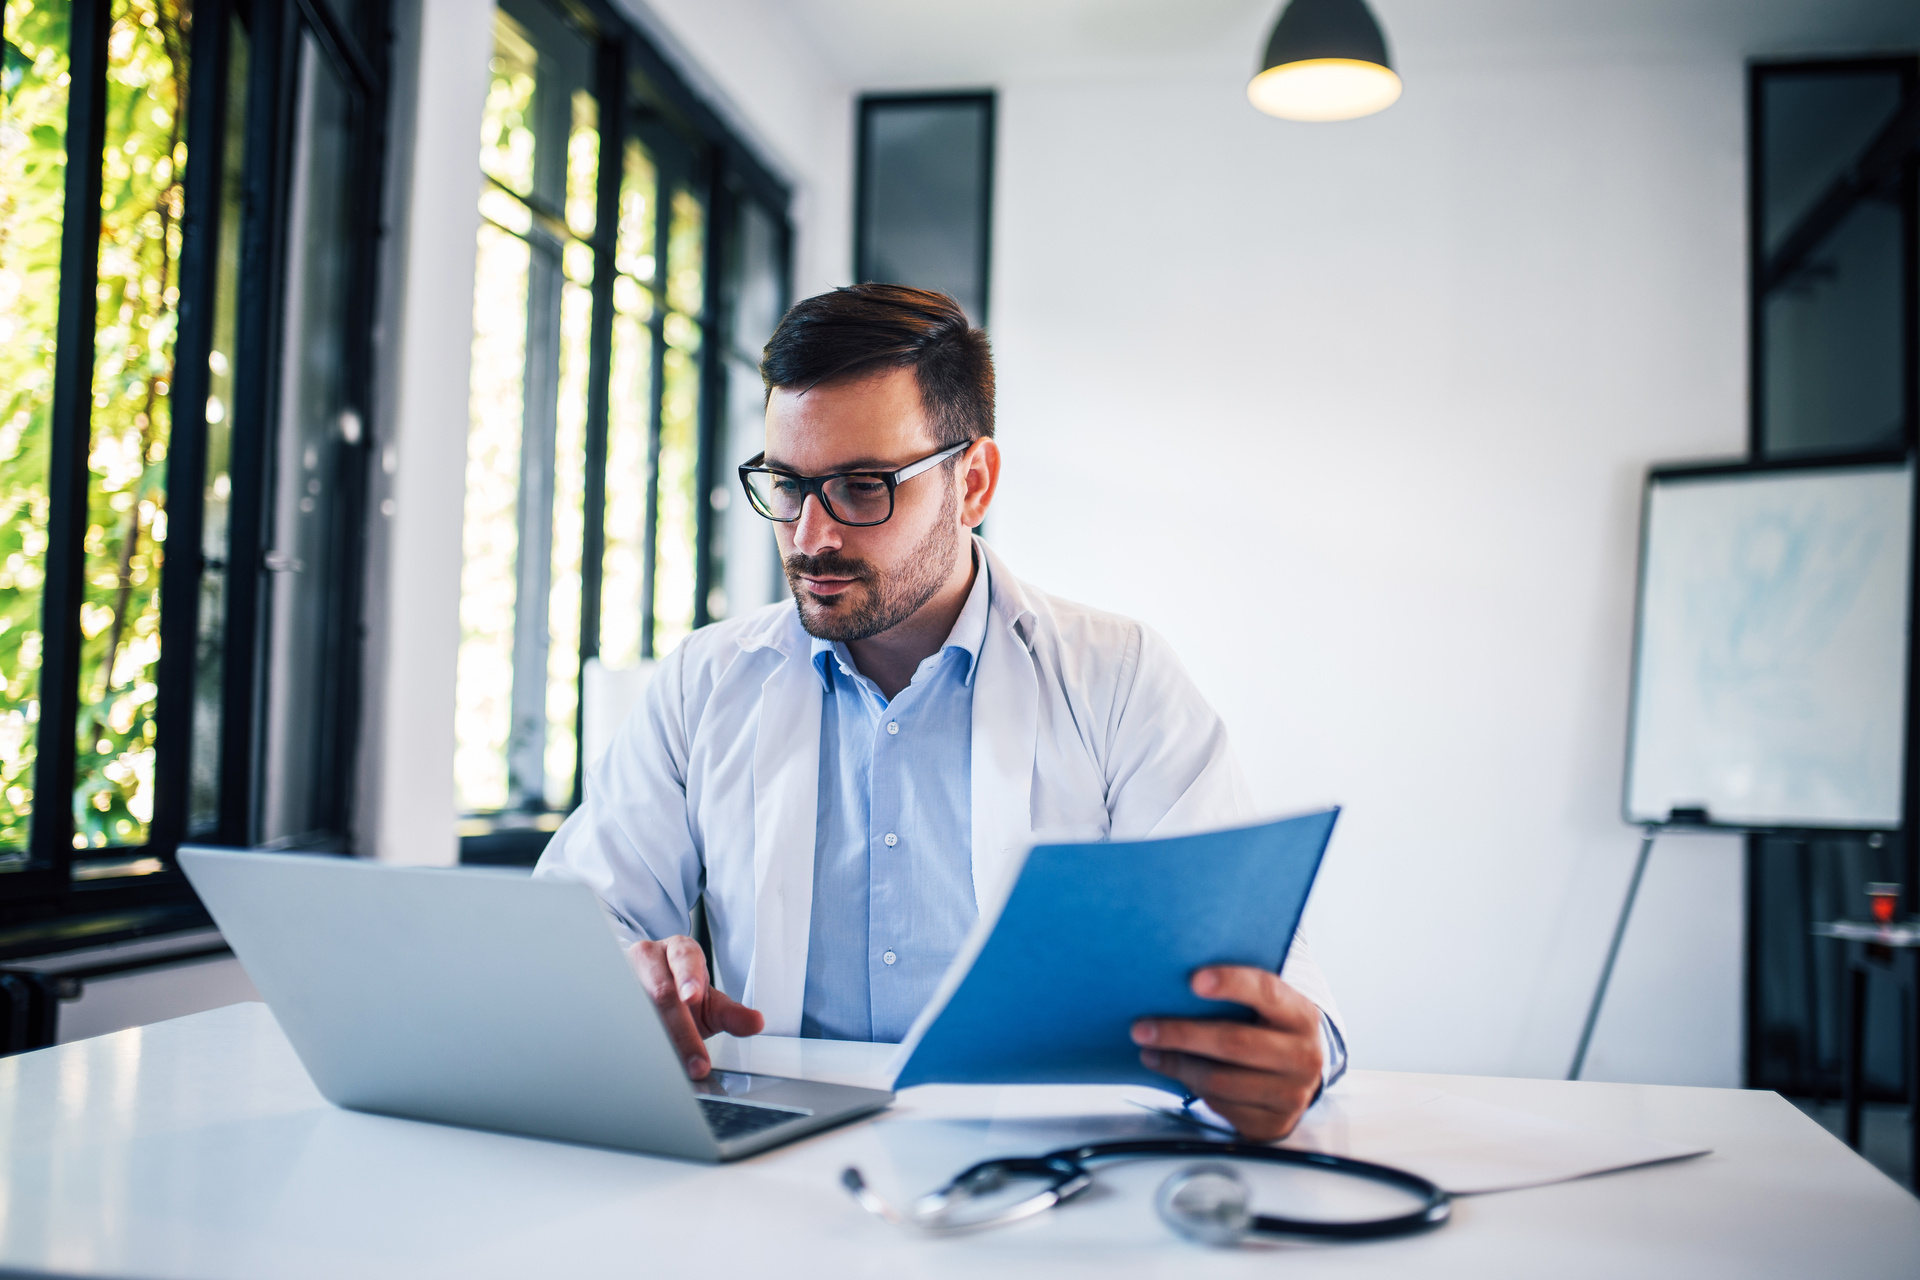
187	447
650	556
71	420
527	737
713	382
606	222
272	83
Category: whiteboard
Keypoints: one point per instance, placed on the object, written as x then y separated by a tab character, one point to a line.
1770	661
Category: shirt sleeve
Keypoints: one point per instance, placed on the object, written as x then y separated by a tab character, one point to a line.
630	840
1173	772
1303	974
1170	769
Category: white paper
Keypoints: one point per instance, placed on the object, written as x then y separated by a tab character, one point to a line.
1465	1146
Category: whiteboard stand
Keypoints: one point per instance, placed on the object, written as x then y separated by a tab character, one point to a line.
1647	835
1677	820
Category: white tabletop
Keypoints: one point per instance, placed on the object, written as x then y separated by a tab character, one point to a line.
200	1148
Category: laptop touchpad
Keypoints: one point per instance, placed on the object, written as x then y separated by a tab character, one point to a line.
759	1091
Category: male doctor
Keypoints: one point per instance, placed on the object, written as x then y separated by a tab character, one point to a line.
848	779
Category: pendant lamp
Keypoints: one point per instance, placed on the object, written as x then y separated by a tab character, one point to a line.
1326	60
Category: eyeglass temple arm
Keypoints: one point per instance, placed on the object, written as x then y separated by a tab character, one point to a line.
927	464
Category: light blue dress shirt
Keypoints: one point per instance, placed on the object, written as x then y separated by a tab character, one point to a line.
893	844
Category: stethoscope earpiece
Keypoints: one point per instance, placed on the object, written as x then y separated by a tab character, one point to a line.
1206	1203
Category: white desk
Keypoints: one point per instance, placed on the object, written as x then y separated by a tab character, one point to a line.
199	1148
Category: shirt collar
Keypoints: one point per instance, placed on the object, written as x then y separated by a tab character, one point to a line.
968	634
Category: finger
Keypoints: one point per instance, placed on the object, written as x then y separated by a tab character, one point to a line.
1265	993
713	1009
1261	1047
1256	1124
689	964
651	962
1219	1083
724	1013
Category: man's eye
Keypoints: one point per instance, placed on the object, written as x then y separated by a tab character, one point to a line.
864	487
785	484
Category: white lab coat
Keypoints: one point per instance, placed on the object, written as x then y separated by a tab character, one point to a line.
1085	726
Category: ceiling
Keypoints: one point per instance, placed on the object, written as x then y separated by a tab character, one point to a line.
883	43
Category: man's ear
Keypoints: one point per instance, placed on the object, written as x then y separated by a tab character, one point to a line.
979	479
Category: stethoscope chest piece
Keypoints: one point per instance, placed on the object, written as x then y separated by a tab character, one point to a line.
1208	1203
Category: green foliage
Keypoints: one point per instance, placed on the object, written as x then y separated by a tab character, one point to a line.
33	170
506	126
137	296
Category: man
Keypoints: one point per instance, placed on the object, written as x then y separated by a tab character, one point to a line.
846	780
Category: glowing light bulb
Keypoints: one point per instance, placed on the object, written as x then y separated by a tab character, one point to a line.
1324	89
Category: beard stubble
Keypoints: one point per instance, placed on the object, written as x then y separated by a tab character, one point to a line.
888	599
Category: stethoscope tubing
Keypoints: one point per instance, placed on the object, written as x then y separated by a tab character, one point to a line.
1067	1166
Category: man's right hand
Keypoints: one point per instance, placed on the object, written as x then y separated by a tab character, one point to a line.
674	973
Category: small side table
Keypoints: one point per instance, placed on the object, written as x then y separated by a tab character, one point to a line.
1892	949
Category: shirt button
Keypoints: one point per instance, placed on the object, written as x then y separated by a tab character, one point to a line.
888	956
892	840
893	726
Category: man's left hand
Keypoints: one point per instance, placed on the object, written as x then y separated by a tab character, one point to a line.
1260	1076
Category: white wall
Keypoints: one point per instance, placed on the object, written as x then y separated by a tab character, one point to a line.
1357	415
406	805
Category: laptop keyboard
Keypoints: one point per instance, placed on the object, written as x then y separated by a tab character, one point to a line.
730	1120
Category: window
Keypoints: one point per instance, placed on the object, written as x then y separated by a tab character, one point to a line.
1834	225
630	263
185	257
1834	209
924	207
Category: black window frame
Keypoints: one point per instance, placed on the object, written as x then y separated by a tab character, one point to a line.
1792	982
42	905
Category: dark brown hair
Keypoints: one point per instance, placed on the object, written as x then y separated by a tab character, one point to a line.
864	329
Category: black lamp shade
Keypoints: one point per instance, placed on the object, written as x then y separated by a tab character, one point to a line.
1310	29
1326	60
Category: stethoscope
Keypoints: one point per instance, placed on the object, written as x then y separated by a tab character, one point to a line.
1207	1202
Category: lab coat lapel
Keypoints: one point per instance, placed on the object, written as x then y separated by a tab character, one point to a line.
1006	721
786	791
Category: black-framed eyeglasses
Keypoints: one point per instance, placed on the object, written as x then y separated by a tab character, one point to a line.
857	498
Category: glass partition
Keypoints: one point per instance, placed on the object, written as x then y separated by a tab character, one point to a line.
1834	204
1833	251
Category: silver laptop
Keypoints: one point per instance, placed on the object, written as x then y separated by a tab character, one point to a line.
485	998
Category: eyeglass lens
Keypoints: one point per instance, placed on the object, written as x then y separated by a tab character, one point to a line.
854	499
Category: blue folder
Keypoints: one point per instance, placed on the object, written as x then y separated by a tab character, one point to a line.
1094	936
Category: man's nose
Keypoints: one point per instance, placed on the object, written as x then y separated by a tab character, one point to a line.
815	531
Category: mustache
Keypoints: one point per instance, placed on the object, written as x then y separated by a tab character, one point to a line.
828	564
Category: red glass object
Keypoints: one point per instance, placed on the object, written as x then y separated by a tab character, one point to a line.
1884	900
